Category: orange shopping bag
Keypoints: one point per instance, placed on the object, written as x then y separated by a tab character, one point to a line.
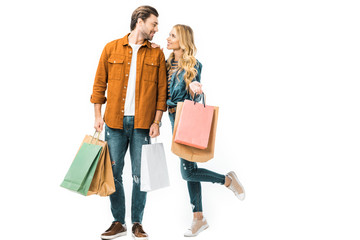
194	124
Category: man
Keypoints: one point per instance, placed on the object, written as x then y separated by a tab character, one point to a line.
134	75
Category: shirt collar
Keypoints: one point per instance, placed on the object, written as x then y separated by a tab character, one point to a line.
126	41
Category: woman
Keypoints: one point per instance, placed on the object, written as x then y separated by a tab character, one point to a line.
183	81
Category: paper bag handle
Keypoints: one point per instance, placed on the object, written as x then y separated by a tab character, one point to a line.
97	138
153	141
203	98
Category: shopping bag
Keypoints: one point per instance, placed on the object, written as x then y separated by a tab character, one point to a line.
194	124
103	181
154	172
191	153
81	172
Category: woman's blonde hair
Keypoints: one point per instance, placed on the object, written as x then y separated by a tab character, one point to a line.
187	61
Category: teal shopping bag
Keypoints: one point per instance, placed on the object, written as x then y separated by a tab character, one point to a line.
81	172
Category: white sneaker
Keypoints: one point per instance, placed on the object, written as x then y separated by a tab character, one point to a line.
197	227
236	186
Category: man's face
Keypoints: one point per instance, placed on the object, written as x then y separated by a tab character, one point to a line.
149	27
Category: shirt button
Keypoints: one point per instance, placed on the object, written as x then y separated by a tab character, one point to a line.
114	61
127	75
124	86
130	52
128	62
122	110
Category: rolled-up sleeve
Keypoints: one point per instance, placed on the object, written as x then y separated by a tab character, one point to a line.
100	82
162	85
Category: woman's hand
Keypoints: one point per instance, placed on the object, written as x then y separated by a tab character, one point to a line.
154	45
196	87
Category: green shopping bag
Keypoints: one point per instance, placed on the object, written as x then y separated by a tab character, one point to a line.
82	169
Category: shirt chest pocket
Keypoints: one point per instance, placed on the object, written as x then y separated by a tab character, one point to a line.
116	67
151	69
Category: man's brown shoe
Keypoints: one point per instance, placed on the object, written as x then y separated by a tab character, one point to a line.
115	230
138	232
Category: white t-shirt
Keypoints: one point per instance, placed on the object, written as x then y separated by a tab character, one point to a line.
130	92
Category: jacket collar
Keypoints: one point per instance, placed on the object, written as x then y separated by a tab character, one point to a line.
125	41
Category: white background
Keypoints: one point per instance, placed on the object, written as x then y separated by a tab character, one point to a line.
285	75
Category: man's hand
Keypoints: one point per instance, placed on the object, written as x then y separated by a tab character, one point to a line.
154	130
99	123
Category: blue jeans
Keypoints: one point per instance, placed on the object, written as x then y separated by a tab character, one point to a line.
194	175
118	141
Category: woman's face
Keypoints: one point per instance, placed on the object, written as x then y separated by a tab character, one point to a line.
173	41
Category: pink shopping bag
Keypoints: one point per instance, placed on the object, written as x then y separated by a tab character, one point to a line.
194	124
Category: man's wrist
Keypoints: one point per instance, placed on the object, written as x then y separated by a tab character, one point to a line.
157	122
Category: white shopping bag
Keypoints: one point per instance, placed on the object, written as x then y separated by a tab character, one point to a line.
154	172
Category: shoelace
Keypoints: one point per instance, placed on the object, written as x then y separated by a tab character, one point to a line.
139	228
112	225
232	188
193	224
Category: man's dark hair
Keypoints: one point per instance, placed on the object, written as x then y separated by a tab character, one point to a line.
142	12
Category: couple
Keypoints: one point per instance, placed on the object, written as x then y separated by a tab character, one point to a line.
140	86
